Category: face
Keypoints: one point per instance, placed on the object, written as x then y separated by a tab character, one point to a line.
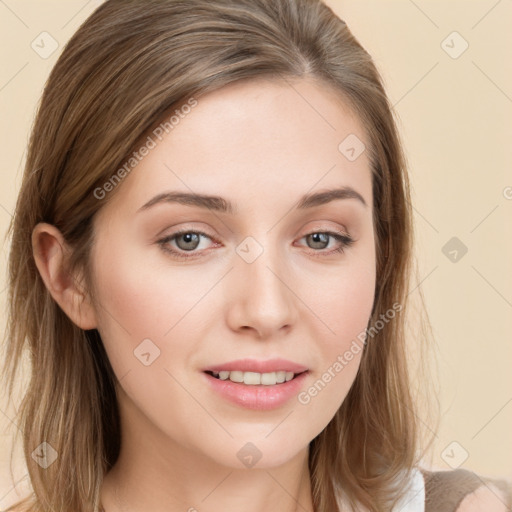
260	284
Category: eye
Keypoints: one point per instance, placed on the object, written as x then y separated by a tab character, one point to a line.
186	240
320	240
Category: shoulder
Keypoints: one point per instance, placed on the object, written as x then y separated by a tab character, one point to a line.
488	498
461	490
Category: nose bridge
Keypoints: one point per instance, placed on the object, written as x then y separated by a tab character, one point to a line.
264	295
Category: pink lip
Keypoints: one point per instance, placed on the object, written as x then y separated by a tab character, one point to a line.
260	397
252	365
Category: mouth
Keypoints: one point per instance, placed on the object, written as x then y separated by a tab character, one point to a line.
255	378
272	387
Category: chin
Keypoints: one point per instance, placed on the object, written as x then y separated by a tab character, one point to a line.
258	451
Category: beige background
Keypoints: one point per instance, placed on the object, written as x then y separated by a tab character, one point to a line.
456	121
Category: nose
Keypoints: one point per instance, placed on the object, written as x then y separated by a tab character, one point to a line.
260	296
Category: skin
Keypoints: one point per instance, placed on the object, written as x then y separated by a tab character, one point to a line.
262	145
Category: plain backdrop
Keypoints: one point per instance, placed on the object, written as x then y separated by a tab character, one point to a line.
447	68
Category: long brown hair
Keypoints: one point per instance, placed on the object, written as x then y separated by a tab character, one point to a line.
128	65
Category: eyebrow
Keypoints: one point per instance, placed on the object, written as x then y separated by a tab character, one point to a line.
222	205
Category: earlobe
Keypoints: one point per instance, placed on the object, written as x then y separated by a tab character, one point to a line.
51	254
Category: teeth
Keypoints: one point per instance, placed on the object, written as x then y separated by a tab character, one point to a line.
254	378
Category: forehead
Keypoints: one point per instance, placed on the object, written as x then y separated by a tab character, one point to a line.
257	142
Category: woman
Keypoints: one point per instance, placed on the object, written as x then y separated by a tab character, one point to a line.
210	267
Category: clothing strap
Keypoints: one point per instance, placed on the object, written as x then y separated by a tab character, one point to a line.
445	490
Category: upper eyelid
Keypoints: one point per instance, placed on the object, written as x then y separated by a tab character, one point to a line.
342	229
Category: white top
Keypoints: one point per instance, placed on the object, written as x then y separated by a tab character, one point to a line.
414	499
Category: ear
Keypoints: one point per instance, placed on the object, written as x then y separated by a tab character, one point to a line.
51	256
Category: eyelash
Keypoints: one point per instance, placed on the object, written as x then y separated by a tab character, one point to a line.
346	242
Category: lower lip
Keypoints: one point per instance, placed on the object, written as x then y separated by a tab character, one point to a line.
258	397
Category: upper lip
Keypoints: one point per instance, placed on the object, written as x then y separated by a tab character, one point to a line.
258	366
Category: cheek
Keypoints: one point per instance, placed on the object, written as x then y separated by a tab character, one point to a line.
339	355
343	304
351	304
141	298
145	314
136	301
131	309
353	298
342	299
